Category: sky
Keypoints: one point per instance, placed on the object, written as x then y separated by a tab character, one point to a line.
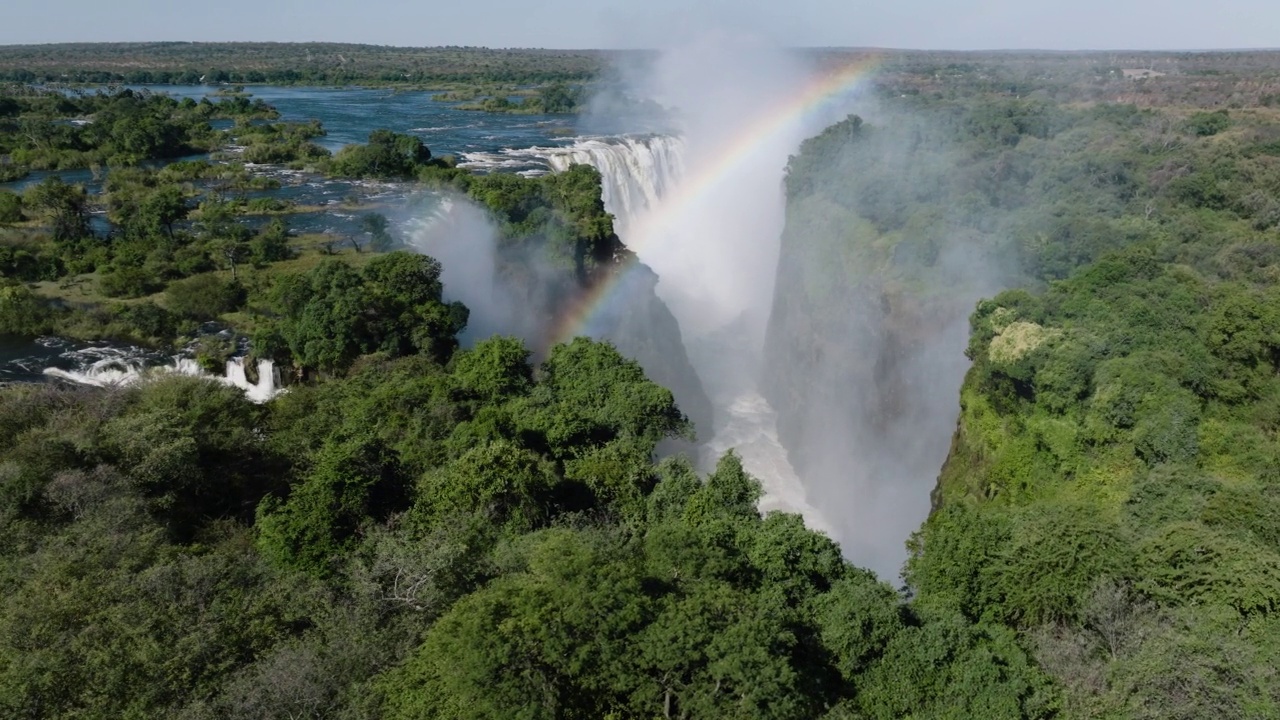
925	24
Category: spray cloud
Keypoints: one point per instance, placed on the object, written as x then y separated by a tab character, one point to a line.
716	255
864	353
459	234
712	234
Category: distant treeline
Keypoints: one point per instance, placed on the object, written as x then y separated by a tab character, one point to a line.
1147	79
182	63
1230	79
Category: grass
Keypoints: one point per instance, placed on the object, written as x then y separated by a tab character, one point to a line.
310	251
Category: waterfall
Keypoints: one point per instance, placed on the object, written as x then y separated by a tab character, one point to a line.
637	170
638	174
118	370
267	387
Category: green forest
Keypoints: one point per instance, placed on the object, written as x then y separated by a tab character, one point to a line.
185	63
418	529
413	530
1111	493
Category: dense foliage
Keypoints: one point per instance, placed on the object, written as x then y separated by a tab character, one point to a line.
179	245
443	535
163	223
552	99
56	131
416	530
1111	491
290	64
1120	434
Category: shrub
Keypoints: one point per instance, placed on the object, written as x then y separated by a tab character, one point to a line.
146	320
204	297
10	207
1206	124
22	312
128	282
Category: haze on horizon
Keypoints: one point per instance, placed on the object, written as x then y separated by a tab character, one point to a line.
919	24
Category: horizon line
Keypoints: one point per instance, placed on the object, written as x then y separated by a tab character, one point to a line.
845	48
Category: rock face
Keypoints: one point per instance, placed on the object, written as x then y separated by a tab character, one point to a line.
865	345
641	326
865	378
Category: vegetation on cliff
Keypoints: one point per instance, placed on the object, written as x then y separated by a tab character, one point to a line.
435	533
1111	491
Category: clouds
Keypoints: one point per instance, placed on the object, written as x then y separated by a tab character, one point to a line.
984	24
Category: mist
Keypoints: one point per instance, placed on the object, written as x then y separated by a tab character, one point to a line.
515	289
830	356
710	225
834	368
460	234
865	352
713	240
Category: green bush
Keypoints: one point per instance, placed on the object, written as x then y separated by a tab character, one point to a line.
146	320
1205	124
10	207
204	297
22	312
271	244
10	172
128	282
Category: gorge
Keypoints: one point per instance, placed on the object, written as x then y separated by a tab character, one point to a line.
706	212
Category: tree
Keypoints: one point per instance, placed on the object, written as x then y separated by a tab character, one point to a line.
375	225
204	297
228	237
22	312
559	98
496	369
511	487
165	207
234	251
409	313
548	642
356	481
386	155
10	207
64	207
1205	124
589	395
324	318
271	244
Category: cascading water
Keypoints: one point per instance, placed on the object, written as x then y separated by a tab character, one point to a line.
118	369
637	175
636	170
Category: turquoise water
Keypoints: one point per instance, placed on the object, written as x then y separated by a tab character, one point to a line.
348	115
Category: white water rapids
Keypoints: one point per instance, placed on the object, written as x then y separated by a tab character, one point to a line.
116	369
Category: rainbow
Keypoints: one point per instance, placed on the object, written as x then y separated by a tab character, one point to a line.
602	297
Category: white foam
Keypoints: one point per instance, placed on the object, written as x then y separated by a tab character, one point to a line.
748	425
117	371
